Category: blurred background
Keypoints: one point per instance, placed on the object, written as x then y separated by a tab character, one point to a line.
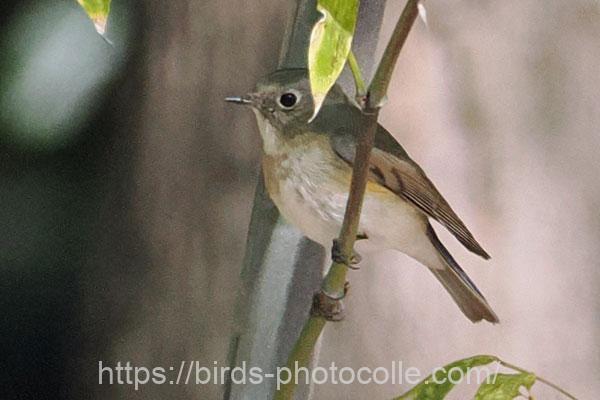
127	185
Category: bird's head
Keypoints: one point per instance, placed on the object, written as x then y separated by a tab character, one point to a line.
284	99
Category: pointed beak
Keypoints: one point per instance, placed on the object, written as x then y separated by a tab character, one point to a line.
244	100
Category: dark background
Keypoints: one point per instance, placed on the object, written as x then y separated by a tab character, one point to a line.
115	241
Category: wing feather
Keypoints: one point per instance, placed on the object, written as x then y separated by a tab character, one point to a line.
392	167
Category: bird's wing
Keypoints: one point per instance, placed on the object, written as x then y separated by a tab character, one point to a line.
392	167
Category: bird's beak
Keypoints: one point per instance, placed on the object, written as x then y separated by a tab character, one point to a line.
244	100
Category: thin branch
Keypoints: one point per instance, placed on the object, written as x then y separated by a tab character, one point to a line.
335	280
334	284
383	75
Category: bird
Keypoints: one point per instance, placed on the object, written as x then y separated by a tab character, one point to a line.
307	167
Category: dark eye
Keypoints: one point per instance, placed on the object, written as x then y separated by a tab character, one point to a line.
288	100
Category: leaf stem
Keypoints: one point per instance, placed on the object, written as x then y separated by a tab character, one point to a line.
539	378
361	88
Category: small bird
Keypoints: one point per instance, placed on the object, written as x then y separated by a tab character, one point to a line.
307	167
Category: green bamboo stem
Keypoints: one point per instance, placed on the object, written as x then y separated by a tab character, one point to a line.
335	280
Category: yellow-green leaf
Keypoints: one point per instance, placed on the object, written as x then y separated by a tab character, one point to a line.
330	43
98	11
505	386
438	386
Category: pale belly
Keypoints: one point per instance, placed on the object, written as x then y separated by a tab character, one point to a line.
309	184
313	197
387	221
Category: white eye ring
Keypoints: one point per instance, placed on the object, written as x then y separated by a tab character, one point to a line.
289	99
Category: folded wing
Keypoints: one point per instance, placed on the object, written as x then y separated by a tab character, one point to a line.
392	167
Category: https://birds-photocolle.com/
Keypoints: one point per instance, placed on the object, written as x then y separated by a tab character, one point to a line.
307	166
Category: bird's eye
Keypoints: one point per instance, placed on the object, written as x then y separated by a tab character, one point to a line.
288	100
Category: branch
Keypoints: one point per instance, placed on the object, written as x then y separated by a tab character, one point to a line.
334	283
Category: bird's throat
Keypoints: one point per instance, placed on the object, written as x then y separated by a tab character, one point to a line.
273	140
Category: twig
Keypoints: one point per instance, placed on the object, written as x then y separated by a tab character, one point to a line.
335	281
383	75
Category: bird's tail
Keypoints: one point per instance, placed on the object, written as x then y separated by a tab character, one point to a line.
464	292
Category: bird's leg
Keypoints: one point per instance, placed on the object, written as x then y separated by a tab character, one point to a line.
336	253
354	261
329	307
357	258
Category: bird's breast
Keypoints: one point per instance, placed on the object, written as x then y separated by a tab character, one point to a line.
309	185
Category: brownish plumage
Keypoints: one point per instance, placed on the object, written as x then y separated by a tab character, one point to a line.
307	169
399	173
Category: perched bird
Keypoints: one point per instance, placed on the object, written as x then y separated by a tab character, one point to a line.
307	167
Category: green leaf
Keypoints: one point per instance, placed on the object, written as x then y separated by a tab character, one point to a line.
98	11
505	386
438	386
330	43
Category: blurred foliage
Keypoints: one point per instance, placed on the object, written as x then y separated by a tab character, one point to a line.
57	107
54	71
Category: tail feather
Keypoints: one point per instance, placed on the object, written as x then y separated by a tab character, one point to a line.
462	289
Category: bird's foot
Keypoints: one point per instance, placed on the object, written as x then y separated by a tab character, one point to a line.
328	306
338	257
354	261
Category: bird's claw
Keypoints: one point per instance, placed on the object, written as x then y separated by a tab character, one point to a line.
338	257
354	261
328	306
